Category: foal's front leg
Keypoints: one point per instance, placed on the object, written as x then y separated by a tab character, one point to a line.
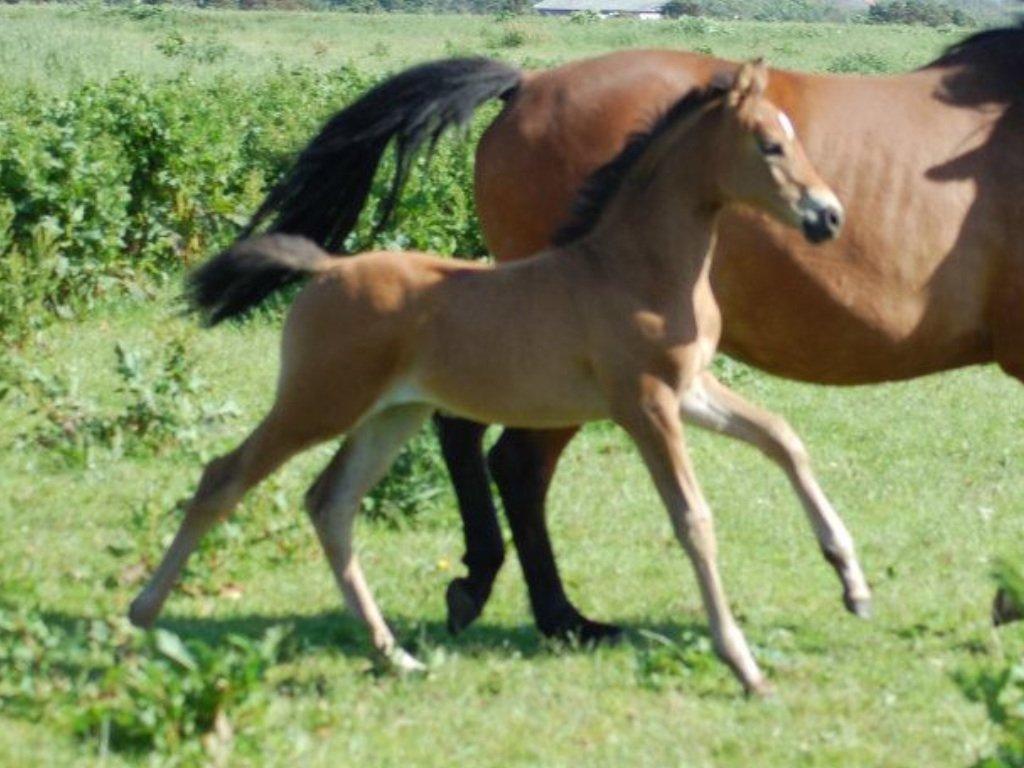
654	425
711	405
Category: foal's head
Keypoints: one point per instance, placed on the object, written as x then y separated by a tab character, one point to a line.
761	162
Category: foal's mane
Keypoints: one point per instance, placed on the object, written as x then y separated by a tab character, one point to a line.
601	186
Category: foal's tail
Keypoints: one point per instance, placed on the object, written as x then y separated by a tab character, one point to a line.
322	195
241	277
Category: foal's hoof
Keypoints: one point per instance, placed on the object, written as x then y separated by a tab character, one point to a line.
858	606
1004	608
463	606
760	690
401	662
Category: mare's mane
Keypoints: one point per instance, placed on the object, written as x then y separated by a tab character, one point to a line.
1005	43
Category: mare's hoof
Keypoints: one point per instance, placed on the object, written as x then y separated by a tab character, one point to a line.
858	606
141	614
584	632
463	606
1005	609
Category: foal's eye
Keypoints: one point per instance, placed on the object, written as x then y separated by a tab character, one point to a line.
769	147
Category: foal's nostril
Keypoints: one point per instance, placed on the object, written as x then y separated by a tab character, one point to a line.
833	219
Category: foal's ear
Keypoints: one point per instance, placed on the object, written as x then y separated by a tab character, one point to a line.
751	80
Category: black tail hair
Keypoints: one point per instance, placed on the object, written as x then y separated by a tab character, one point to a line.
323	194
236	280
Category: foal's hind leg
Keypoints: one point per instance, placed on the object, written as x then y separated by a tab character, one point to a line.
225	480
332	503
712	405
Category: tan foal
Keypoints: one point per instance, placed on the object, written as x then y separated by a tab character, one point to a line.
619	324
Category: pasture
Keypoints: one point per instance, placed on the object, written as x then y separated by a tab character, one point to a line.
103	442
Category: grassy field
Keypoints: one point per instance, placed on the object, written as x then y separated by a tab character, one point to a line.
54	48
926	474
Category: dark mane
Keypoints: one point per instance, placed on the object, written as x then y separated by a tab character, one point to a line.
1006	41
602	184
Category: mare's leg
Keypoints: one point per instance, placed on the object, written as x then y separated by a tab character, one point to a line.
332	503
462	446
225	480
522	463
712	405
654	425
1009	353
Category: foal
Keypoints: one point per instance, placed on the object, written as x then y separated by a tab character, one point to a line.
620	324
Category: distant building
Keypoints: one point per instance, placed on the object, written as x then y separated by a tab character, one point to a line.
637	9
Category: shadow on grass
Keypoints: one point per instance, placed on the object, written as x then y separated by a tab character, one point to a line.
337	631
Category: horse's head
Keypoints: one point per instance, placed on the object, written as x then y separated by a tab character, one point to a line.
763	164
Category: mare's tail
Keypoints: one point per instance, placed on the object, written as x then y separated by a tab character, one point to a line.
322	195
241	277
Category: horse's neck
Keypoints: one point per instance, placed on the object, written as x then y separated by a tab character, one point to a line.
656	238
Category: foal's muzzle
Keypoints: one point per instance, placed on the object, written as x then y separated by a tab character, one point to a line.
821	216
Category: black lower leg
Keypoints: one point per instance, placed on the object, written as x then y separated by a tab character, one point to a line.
523	474
462	447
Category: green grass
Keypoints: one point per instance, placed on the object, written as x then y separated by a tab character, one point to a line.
54	48
923	472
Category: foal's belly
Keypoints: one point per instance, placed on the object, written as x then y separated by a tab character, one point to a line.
491	387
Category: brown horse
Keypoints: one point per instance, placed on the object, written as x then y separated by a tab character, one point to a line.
928	276
619	324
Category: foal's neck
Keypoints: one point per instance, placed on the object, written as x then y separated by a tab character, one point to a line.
658	231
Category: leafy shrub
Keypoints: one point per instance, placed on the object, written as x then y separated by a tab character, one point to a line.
675	9
1000	687
662	662
861	62
166	694
928	12
135	691
416	480
122	184
161	409
771	10
207	51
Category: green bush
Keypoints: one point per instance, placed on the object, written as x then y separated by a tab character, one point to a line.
928	12
675	9
122	184
861	62
1000	687
417	480
136	692
161	407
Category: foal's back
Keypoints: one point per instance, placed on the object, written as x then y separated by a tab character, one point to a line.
507	344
